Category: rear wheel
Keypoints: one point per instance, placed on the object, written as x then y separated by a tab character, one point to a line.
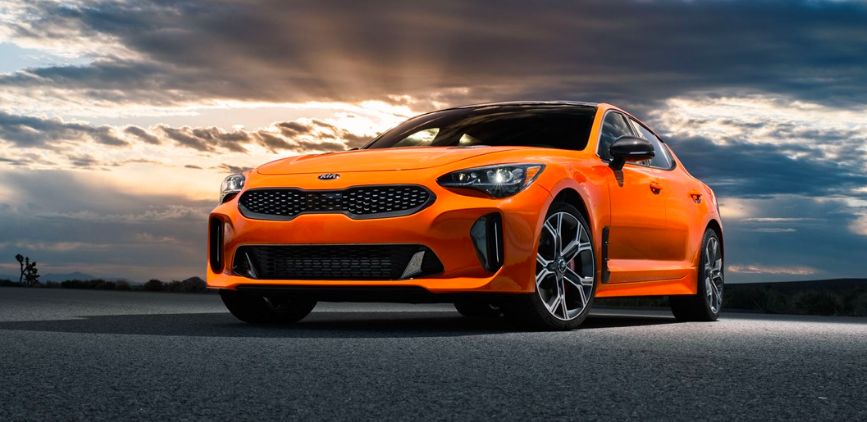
707	303
477	308
565	274
257	309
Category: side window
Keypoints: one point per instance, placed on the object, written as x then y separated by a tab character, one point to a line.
613	127
661	159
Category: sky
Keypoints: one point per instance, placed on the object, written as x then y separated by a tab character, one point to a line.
119	119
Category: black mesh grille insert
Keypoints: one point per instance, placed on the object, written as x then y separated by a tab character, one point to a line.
356	202
333	262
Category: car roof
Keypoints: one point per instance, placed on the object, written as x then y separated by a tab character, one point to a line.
529	103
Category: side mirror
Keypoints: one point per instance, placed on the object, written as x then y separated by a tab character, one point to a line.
629	149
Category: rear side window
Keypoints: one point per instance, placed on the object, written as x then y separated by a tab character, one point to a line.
613	127
661	159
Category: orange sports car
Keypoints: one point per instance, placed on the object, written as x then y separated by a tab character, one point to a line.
527	209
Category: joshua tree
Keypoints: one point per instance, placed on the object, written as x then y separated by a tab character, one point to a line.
20	259
29	272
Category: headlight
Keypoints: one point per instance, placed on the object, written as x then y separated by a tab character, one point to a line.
497	181
230	187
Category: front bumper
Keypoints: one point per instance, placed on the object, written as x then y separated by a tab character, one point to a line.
444	227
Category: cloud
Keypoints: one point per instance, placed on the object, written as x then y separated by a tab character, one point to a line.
157	52
143	135
228	168
83	160
775	230
39	137
30	131
749	170
776	219
759	269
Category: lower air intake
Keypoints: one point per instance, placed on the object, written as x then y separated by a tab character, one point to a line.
335	262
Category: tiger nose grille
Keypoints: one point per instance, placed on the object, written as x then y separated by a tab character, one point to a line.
356	202
335	262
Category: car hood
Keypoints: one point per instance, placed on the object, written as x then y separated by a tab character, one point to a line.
386	159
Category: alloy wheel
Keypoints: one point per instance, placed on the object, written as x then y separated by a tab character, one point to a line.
713	275
565	267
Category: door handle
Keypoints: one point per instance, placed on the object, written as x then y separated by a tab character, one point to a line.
655	187
695	195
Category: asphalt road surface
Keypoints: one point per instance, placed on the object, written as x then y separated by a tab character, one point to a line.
90	355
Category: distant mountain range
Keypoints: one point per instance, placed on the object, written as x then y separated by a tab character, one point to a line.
57	278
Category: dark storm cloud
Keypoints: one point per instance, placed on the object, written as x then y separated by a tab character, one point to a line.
29	131
741	169
817	236
634	53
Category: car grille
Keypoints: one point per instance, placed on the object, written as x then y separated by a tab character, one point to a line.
356	202
335	262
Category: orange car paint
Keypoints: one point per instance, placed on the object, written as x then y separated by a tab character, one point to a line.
647	256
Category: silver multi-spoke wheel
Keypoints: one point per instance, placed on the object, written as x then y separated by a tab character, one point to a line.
565	274
565	268
713	275
707	303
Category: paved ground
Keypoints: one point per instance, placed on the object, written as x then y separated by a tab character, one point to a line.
109	355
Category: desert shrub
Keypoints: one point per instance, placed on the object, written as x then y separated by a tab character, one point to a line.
190	285
817	303
770	301
153	285
77	284
858	305
195	285
739	297
88	284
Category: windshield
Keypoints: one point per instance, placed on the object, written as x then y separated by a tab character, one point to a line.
536	125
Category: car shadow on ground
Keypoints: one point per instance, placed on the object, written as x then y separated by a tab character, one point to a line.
317	325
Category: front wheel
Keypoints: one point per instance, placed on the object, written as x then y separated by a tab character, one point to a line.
565	274
706	304
257	309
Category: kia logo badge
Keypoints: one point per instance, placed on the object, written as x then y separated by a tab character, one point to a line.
329	176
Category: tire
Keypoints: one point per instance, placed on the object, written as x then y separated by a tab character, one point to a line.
707	303
255	309
559	269
478	309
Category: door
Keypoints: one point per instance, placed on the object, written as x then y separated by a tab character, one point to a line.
637	212
683	204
